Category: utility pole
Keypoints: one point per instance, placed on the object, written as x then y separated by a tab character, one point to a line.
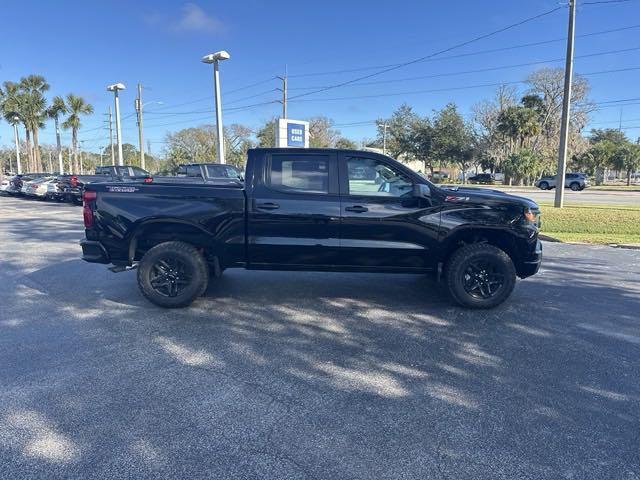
384	138
566	105
138	104
50	164
284	92
113	153
17	139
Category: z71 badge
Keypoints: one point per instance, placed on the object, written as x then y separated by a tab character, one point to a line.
456	198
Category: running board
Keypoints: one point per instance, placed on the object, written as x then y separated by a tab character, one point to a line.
123	268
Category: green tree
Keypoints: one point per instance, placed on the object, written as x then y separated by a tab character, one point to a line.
237	139
55	111
266	135
13	111
523	164
452	139
76	107
34	112
626	157
345	143
399	132
321	133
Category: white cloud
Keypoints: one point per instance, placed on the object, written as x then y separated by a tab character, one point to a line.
195	19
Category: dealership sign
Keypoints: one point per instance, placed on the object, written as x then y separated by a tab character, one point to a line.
292	133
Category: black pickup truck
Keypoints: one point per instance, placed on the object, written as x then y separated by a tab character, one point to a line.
312	209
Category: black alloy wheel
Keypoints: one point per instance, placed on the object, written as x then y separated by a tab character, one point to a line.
482	279
169	276
480	275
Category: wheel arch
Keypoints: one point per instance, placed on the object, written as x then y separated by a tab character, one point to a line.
498	237
152	232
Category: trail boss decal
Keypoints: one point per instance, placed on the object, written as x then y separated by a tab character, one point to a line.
122	189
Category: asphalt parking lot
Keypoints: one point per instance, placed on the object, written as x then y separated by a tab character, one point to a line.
312	375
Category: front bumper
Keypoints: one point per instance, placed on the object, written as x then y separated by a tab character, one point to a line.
530	264
94	252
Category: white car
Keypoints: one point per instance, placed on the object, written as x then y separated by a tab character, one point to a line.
37	187
4	184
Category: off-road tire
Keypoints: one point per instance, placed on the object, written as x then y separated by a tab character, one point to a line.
192	264
458	277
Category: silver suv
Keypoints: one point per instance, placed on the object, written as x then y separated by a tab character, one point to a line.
574	181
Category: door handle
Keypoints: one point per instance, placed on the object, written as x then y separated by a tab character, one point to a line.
267	206
357	209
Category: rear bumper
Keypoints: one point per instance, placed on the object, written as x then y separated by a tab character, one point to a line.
530	264
94	252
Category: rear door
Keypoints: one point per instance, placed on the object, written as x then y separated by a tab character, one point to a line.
294	211
384	226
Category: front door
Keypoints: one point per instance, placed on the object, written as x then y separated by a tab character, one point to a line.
294	214
384	226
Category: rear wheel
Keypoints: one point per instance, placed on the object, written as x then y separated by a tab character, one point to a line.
173	274
480	276
544	186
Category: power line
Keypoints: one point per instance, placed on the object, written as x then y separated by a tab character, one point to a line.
445	89
469	54
445	50
489	69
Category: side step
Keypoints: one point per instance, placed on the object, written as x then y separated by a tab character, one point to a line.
123	268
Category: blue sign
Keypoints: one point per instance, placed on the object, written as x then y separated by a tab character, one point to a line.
295	135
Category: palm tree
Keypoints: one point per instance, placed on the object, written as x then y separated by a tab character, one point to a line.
76	106
57	108
11	104
34	111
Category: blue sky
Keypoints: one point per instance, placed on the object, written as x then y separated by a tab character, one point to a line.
81	46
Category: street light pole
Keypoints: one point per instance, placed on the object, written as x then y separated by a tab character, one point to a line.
115	88
215	58
17	140
566	105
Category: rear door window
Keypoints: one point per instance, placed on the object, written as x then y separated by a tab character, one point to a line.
300	173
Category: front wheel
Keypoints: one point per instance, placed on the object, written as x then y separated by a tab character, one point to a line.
574	186
544	186
173	274
480	275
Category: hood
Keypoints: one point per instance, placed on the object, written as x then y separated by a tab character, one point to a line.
488	195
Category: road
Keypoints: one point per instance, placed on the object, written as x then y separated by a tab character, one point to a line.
587	197
312	375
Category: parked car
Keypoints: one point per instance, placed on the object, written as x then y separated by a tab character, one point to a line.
439	176
209	171
302	209
17	182
574	181
71	186
4	184
485	178
44	188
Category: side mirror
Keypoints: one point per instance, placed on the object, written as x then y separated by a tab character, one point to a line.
420	190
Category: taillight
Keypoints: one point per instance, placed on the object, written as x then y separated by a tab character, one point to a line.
88	197
74	181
